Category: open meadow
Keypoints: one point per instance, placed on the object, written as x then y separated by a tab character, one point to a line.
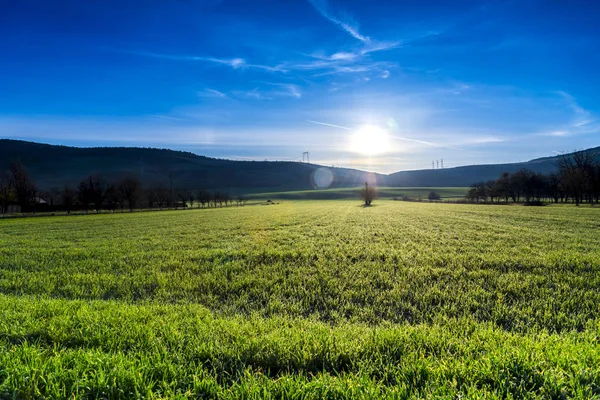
303	299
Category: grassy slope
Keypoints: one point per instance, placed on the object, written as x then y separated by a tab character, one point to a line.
303	299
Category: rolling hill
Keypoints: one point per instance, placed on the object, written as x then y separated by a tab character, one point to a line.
466	175
54	166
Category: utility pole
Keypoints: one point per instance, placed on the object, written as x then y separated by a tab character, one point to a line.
432	165
306	154
437	164
442	160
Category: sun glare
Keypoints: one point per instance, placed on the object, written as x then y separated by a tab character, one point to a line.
370	140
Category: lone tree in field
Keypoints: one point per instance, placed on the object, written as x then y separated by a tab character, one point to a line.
367	194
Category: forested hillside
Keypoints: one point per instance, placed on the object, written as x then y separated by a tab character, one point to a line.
54	166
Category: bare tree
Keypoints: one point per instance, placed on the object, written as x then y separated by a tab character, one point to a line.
577	173
490	188
239	200
182	196
151	197
52	196
204	198
130	189
23	187
226	199
477	192
596	183
99	188
578	179
68	198
84	194
585	162
92	190
163	197
368	194
191	198
517	182
113	198
503	186
553	186
7	194
433	196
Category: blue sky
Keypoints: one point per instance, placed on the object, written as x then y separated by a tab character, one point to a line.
464	81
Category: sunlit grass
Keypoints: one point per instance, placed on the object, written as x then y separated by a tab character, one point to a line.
303	299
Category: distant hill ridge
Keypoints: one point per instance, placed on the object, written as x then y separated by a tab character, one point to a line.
57	165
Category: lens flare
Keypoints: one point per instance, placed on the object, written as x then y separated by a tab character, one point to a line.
322	178
370	140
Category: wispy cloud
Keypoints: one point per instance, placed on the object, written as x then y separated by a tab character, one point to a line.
374	46
212	93
235	63
166	117
251	94
280	90
582	121
347	65
339	56
346	61
559	133
353	61
488	139
405	139
340	19
344	69
582	116
285	89
326	124
354	54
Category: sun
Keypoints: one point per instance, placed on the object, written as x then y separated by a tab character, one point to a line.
370	140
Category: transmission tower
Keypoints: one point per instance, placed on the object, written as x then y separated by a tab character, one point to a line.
437	164
305	156
432	164
442	161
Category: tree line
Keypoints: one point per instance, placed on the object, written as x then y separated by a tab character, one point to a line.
94	193
577	180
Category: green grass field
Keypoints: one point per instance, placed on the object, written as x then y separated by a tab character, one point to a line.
303	299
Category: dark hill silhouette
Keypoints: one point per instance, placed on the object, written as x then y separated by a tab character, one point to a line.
467	175
54	166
